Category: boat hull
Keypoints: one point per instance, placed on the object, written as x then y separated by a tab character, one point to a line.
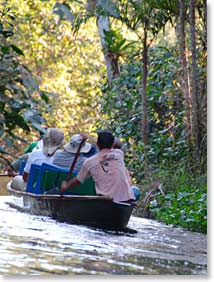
96	211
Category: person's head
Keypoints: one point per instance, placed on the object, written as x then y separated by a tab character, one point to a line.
73	145
118	144
105	139
52	141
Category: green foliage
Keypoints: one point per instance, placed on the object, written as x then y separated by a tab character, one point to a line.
141	15
76	18
19	92
165	107
107	8
116	44
61	47
67	65
63	11
185	202
122	105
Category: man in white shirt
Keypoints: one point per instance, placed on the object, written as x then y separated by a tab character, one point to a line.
52	141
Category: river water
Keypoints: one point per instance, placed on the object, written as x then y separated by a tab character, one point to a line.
39	245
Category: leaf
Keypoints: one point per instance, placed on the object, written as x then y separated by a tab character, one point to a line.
16	137
5	49
44	97
7	33
15	104
17	50
27	79
32	116
9	142
38	126
64	12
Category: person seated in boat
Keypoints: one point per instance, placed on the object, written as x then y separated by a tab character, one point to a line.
118	144
52	141
15	166
92	151
107	168
92	140
64	158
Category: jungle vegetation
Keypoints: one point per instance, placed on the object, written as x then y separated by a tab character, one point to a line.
137	67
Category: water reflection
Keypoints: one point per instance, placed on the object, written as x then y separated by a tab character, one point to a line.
39	245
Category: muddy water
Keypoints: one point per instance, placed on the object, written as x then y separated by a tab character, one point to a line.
41	246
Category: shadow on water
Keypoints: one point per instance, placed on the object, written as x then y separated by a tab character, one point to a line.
40	245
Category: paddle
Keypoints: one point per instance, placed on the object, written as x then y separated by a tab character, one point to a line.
3	174
56	190
84	138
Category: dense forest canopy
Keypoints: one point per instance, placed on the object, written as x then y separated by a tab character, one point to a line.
136	67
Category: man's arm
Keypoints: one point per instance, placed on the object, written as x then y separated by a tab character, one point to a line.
69	184
10	172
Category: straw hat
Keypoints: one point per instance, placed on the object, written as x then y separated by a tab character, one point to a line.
52	141
73	145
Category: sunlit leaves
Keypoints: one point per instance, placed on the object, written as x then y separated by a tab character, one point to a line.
18	89
107	8
63	11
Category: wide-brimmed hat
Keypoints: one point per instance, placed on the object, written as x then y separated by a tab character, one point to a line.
52	141
73	145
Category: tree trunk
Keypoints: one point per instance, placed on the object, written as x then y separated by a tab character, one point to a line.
111	60
194	78
202	85
184	73
144	121
144	88
205	23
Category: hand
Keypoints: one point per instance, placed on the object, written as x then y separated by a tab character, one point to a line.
11	172
64	187
84	135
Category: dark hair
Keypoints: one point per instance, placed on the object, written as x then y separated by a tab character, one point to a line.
105	139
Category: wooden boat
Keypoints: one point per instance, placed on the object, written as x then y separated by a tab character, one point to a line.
96	211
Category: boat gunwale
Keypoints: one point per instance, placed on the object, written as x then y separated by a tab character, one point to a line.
58	197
